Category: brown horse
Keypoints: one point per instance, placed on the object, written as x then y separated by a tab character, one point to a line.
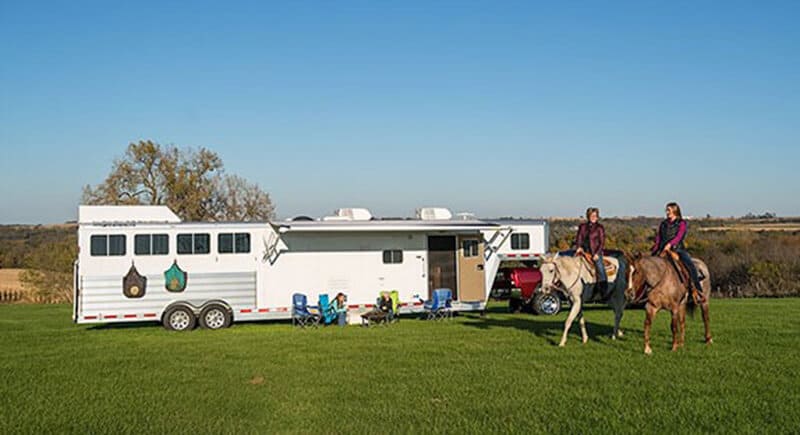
657	280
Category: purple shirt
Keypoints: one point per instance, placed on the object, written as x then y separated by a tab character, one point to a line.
682	228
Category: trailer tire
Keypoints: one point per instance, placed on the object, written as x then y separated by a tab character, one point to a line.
179	318
546	304
215	316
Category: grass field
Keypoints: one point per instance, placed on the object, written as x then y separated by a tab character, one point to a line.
501	373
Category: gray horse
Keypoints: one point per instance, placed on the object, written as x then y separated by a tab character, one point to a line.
576	278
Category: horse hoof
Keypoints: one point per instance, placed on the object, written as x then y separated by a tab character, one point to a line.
709	341
561	344
613	337
620	334
648	351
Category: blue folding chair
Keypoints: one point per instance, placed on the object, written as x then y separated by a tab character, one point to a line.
439	307
302	314
326	310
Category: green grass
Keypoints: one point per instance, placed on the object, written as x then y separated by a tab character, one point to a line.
501	373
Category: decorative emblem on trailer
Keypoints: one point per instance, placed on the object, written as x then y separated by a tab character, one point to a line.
133	283
175	278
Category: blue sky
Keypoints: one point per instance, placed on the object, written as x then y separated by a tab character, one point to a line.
499	108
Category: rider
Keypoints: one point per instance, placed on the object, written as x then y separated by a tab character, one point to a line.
591	238
670	237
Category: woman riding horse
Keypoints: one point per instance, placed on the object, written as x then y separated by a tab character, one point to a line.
591	238
671	234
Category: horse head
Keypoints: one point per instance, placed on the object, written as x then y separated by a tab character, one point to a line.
635	277
549	270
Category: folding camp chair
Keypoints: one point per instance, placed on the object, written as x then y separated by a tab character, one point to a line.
326	310
303	314
439	307
395	295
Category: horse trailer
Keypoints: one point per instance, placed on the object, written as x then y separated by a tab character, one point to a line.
142	263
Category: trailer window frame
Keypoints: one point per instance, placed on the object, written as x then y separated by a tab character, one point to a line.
469	247
233	243
199	243
157	244
393	256
521	241
107	245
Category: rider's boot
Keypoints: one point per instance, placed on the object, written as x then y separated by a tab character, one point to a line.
697	293
602	288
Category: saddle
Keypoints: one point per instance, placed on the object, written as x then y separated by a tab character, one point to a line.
611	268
683	273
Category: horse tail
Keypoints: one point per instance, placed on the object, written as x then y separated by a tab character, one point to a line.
691	306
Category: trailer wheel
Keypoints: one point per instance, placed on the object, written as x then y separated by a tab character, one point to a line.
547	304
215	316
179	318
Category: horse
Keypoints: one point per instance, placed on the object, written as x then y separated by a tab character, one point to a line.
657	280
576	278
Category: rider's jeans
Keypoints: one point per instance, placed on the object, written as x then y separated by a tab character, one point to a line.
601	269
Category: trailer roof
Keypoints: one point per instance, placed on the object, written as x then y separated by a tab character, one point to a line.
376	225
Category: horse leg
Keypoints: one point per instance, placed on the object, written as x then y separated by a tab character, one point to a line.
618	303
682	325
650	314
675	328
576	308
706	321
582	322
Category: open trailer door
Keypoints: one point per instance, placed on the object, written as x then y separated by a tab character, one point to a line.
471	279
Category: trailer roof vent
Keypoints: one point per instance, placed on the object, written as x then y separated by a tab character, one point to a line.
335	218
434	214
356	214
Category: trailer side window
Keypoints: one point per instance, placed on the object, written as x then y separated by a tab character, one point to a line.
151	244
99	245
230	243
470	248
105	245
225	243
520	241
392	256
198	243
242	243
116	245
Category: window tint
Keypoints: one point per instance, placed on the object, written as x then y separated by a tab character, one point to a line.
470	248
99	245
193	243
393	256
103	245
141	244
225	243
242	243
229	243
202	243
160	245
520	241
184	243
151	244
116	245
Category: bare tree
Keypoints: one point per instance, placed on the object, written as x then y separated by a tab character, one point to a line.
192	183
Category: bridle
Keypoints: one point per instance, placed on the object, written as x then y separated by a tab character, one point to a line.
557	277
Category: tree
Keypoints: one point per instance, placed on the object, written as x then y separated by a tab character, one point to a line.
192	183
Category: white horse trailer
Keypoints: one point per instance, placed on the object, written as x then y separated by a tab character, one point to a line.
141	263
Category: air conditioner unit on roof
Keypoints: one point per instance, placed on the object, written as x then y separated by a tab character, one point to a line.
434	214
356	214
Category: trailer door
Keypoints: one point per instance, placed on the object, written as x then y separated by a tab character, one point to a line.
442	264
470	269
